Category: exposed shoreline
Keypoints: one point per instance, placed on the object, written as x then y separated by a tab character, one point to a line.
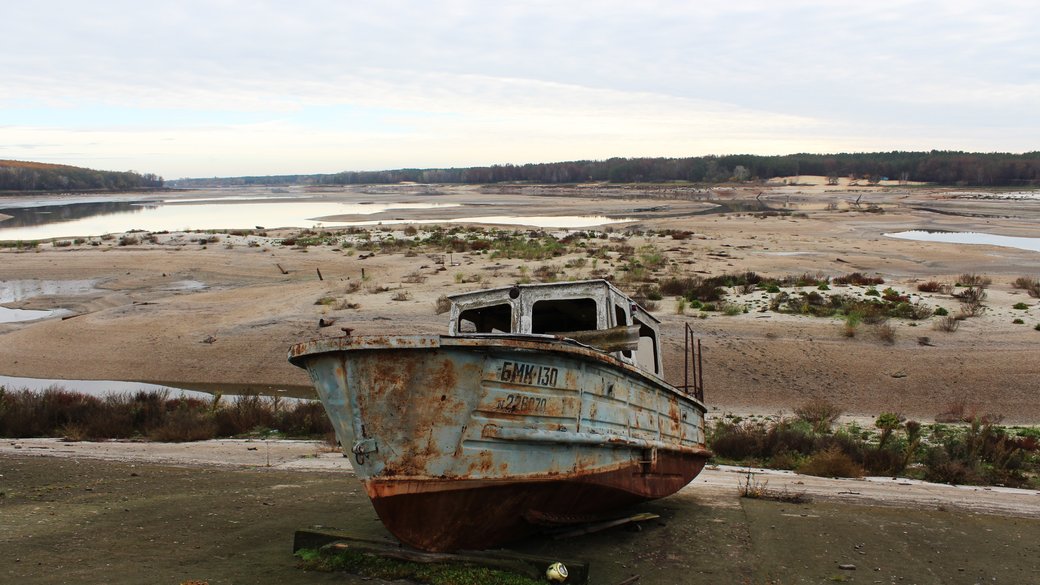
140	325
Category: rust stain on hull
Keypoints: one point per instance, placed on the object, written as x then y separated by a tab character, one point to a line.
445	515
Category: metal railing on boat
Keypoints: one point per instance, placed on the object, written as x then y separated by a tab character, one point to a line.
693	372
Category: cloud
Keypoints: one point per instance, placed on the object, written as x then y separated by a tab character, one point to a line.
198	84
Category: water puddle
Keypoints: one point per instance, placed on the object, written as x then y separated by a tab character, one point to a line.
1015	195
19	290
561	221
102	388
1021	243
20	315
98	388
185	286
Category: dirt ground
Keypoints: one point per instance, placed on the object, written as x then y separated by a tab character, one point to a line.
221	316
225	512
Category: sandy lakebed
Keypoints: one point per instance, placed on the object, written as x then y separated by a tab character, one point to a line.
220	316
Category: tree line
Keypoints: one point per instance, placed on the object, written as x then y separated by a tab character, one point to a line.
952	168
939	167
33	176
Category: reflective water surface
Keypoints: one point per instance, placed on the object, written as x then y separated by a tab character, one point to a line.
103	388
76	218
95	387
20	290
1032	244
546	221
97	218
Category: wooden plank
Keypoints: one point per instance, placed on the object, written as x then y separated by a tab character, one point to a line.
524	564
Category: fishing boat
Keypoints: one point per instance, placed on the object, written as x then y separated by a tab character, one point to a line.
543	404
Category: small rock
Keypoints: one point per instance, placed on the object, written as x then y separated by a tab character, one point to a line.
847	567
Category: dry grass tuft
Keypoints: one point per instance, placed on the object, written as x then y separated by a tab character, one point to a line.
820	413
442	305
831	462
1028	284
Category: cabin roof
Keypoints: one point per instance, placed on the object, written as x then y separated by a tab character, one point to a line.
564	289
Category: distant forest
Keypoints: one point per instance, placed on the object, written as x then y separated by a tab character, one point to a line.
938	167
34	176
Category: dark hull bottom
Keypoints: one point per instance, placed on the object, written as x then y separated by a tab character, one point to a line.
443	515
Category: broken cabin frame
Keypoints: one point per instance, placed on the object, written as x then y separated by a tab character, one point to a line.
556	309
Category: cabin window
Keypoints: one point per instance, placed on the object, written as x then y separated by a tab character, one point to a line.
621	319
560	316
647	352
619	316
493	319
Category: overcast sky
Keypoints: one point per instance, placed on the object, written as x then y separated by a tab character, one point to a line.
229	87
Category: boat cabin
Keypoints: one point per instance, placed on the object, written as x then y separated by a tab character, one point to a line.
577	310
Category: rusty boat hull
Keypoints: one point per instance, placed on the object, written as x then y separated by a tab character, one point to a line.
469	441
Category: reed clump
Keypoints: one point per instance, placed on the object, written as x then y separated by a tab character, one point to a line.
966	449
155	416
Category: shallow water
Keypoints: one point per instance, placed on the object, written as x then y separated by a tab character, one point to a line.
95	387
1022	243
103	388
1018	195
19	315
558	221
19	290
92	218
84	219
